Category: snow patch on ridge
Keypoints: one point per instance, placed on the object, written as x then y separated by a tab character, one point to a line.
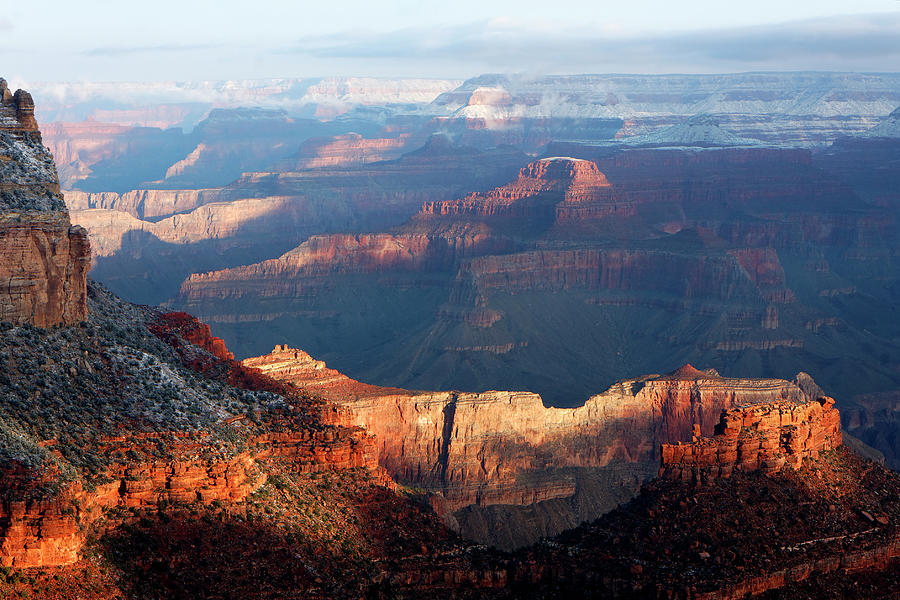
699	130
889	128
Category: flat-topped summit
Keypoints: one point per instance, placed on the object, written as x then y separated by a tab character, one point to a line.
547	181
505	449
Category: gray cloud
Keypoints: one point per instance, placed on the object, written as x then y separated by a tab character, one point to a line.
868	42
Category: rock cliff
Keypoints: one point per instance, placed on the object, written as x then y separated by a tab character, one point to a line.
507	448
762	437
716	255
540	185
43	258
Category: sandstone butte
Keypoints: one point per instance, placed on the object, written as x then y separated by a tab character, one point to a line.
44	259
544	182
507	448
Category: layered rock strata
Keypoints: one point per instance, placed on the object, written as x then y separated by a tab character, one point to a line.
344	151
539	185
501	447
763	437
51	532
43	258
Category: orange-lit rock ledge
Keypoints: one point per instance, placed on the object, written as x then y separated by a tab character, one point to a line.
763	437
503	447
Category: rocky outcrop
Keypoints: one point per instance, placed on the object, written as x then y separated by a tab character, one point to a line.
43	259
539	186
184	326
764	437
43	270
51	532
500	447
47	525
16	111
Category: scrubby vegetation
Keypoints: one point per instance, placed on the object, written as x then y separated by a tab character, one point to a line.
65	389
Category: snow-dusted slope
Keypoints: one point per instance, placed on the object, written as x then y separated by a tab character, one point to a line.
700	130
625	96
802	108
889	128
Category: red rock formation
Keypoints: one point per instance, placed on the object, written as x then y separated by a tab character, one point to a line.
546	182
752	437
48	531
764	268
502	447
191	330
51	532
309	265
43	269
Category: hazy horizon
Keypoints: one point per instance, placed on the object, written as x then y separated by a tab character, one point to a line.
204	41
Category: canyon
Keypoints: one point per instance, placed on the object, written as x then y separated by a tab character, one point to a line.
766	191
138	457
743	257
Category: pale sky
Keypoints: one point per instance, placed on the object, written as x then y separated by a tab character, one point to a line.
115	40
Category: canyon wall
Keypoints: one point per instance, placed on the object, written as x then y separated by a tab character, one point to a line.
344	151
798	108
43	269
506	448
762	437
44	260
145	204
